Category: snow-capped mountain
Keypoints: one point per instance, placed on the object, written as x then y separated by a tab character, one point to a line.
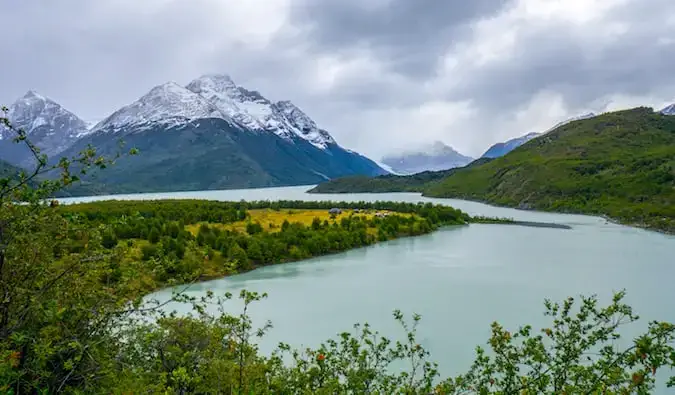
168	104
432	157
670	110
255	112
214	134
215	96
48	125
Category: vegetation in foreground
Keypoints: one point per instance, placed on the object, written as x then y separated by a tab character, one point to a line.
68	326
619	164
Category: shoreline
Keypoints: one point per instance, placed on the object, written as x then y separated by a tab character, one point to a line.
594	215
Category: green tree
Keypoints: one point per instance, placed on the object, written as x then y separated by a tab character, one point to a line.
153	236
238	255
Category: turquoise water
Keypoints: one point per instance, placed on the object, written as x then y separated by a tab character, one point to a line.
459	279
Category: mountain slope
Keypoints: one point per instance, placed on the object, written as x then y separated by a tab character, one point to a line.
256	113
47	124
619	164
214	154
501	149
435	157
168	104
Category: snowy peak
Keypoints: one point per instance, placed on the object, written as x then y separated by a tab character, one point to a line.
670	110
434	157
49	126
255	112
250	110
33	111
302	125
169	104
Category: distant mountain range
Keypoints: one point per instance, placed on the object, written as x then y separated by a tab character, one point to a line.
434	157
209	134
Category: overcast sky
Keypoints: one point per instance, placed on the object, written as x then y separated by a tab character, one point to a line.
379	75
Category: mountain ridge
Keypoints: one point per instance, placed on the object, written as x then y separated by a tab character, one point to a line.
232	138
49	126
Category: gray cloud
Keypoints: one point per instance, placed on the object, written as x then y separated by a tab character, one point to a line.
410	35
379	75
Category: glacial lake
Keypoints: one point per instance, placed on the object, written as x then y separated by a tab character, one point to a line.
460	279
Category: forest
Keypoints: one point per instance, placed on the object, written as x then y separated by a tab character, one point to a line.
179	241
72	318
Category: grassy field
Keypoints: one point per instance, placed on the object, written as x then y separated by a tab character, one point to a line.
271	220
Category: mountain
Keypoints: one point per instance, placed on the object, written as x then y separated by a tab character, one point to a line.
213	134
434	157
670	110
47	124
501	149
619	164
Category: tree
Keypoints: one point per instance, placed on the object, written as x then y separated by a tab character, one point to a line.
153	236
253	228
238	255
52	316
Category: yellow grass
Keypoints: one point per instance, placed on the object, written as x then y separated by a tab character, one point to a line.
271	220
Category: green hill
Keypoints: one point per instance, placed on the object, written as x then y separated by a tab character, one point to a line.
620	164
389	183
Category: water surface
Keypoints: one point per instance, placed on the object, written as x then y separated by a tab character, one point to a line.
460	279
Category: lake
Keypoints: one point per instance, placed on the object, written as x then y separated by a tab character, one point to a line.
459	279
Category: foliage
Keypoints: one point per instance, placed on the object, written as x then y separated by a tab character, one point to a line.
71	320
179	241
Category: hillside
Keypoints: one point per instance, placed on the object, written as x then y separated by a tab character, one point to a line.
619	164
388	183
211	154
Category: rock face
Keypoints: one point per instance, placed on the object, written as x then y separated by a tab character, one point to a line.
48	125
433	157
214	134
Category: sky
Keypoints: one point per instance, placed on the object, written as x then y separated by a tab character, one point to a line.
380	75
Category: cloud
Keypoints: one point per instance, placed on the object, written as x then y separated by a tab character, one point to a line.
380	75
